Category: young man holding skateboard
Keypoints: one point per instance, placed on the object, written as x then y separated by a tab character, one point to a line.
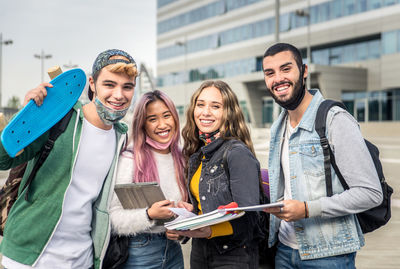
65	222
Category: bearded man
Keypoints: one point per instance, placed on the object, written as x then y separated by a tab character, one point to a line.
313	230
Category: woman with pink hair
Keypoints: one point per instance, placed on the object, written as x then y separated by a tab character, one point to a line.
154	155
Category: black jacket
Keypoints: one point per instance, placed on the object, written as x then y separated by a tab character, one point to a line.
215	188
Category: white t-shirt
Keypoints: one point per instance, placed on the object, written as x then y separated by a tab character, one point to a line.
71	244
286	230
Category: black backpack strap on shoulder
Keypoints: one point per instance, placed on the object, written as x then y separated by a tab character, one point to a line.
55	132
320	128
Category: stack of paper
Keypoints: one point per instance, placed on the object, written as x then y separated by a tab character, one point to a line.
188	221
192	221
251	208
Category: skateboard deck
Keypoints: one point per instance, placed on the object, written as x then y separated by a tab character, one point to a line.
32	121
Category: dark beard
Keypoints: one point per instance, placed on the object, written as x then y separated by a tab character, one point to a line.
298	94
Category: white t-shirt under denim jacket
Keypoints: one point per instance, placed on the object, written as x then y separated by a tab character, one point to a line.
321	235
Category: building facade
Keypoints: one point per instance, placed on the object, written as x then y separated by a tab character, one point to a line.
354	44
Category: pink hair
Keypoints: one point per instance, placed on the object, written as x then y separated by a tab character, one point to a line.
145	167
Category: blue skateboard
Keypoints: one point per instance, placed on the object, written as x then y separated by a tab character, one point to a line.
32	121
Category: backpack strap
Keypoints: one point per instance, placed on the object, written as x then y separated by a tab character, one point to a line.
55	132
264	198
329	158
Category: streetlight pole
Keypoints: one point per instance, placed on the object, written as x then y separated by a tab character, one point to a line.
277	7
5	42
70	65
185	80
42	57
306	13
275	106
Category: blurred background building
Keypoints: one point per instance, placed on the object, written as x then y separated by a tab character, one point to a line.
354	47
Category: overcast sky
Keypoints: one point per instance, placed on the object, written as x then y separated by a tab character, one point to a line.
72	31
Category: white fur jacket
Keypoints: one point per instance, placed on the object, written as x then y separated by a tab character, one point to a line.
134	221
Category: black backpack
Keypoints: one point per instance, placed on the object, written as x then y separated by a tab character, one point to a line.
373	218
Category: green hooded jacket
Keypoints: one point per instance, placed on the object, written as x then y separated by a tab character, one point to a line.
31	224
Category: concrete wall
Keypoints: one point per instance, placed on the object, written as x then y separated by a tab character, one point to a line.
332	80
381	129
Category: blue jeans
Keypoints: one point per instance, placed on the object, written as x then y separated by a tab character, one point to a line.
287	257
153	251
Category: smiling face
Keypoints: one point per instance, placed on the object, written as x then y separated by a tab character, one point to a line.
115	90
208	110
283	77
159	124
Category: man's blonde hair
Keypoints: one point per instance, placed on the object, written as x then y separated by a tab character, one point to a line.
129	69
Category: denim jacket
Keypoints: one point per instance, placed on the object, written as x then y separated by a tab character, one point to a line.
215	188
317	237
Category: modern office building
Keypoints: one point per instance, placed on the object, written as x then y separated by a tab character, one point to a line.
354	44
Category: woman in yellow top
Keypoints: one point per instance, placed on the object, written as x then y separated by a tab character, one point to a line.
215	123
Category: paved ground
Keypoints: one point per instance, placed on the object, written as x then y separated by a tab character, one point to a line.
382	249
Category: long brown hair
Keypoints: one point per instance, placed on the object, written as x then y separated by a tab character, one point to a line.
233	125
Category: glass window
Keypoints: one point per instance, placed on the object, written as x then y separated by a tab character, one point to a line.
349	53
320	57
259	64
298	21
361	51
360	95
398	40
387	106
212	73
348	96
213	41
362	6
246	113
314	15
258	29
336	9
180	110
324	12
360	110
270	26
335	56
374	49
373	4
160	82
349	7
349	106
373	109
252	65
161	3
228	37
267	111
223	38
396	107
284	22
389	2
201	13
389	42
